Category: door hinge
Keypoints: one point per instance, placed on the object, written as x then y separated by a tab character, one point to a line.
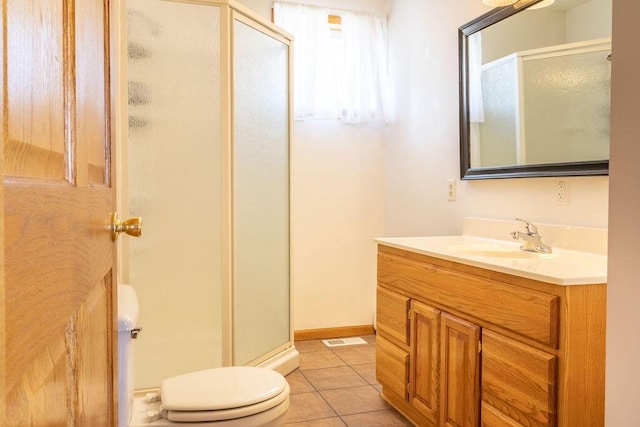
479	346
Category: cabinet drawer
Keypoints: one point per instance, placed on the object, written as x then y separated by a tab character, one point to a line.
392	367
392	319
491	417
527	312
518	382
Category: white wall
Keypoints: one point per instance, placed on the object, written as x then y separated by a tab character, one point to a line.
421	152
623	291
546	27
422	148
338	208
523	31
590	20
373	6
397	180
534	199
261	7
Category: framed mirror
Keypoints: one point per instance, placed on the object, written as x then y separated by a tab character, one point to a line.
535	81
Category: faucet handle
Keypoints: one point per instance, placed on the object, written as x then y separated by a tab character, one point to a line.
531	229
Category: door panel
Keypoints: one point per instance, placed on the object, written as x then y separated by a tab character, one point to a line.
459	372
261	252
35	146
175	147
53	257
93	363
91	95
57	255
58	313
425	345
24	401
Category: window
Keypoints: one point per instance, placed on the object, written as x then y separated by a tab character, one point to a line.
340	62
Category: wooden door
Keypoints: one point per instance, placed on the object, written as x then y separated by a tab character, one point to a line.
57	363
459	372
425	360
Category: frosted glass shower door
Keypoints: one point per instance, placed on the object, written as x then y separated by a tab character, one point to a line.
174	179
261	306
567	106
499	132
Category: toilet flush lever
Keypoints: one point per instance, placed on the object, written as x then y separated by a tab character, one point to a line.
135	332
131	226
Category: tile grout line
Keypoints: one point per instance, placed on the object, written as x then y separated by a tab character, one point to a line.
350	366
336	353
368	344
322	397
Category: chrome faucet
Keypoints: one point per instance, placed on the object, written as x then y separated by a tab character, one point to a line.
532	240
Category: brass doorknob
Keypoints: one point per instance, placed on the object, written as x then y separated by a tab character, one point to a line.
131	226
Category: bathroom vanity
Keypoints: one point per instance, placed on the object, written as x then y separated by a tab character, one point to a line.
476	332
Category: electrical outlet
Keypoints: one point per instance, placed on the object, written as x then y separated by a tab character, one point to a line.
451	194
562	193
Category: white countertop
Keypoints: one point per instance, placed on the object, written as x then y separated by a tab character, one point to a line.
562	267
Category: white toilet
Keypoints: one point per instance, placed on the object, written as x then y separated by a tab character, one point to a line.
231	396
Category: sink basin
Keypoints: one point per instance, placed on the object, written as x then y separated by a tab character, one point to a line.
562	266
496	250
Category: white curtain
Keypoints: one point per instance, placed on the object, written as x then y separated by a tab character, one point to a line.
310	49
337	74
365	67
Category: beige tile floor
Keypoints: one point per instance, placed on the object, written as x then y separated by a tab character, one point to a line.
337	387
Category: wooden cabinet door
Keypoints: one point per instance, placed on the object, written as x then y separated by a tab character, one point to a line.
424	360
459	372
57	288
518	382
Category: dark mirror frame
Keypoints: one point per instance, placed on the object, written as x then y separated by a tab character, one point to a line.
590	168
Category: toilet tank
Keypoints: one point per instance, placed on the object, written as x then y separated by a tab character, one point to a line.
127	330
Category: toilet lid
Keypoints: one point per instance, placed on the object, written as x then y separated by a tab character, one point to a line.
221	388
277	405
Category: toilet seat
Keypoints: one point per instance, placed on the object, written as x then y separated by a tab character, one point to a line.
222	393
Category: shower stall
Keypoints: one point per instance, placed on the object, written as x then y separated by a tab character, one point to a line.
546	105
207	168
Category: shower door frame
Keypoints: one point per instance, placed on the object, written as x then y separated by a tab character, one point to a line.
284	358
